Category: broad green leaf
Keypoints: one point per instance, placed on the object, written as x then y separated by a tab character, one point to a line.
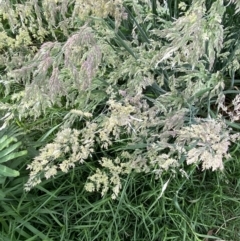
2	140
12	156
8	172
5	141
9	149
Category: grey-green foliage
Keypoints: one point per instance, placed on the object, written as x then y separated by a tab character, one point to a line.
147	49
141	79
120	86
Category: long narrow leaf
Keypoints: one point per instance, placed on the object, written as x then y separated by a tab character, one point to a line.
8	172
2	195
199	94
141	30
121	43
5	141
2	179
9	149
12	156
44	137
2	140
34	230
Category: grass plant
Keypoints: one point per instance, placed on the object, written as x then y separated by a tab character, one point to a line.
205	205
129	112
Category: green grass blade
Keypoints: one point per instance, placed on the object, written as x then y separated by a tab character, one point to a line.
46	135
141	30
121	43
2	195
133	147
199	94
33	229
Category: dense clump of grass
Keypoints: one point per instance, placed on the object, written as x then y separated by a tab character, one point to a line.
206	204
129	111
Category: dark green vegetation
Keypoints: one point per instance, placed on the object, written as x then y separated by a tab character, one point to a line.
120	119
